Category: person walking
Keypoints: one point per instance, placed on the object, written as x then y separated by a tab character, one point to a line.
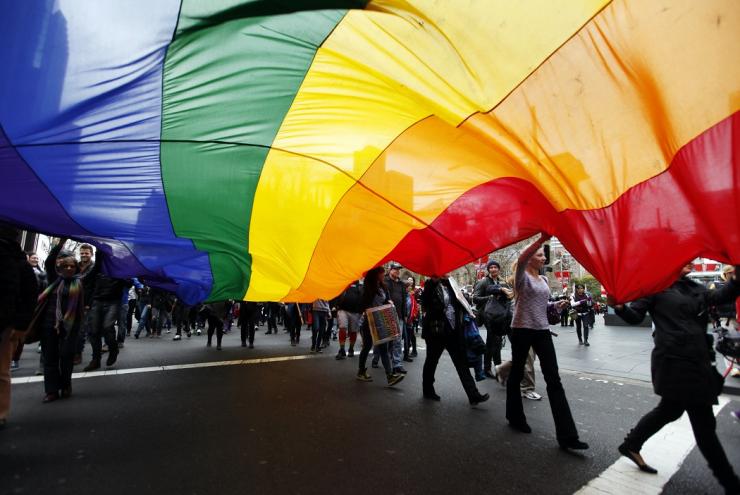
443	328
348	317
682	371
374	294
530	329
582	302
61	307
493	292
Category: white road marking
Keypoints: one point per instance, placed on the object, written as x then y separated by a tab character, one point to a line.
112	372
665	451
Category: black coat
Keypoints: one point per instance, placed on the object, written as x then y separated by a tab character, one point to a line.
397	294
434	320
681	364
18	287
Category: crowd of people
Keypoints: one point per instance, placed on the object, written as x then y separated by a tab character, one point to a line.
71	302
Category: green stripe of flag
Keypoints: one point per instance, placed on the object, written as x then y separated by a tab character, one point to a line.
229	80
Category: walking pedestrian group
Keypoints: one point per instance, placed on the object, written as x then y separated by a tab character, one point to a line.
71	301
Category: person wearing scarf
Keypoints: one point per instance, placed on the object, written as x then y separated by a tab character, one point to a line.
63	304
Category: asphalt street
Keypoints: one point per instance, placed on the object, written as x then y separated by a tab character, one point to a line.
277	419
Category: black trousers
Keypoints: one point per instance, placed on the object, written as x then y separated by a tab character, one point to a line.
704	425
493	348
582	320
217	326
436	345
541	341
247	331
133	310
381	351
58	351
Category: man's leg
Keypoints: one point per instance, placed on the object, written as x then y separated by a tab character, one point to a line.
111	312
527	383
96	329
7	346
342	323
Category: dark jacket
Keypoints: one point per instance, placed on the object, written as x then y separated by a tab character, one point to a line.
487	287
89	277
18	287
109	289
161	299
681	365
397	294
351	299
434	323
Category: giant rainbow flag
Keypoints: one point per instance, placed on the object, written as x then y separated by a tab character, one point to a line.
275	150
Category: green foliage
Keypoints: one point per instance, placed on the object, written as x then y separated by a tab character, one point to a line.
592	285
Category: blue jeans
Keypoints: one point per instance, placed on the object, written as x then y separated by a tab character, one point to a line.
318	329
103	316
143	321
396	347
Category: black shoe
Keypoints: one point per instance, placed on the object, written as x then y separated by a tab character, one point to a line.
586	343
573	444
633	457
432	396
94	364
400	370
50	398
490	374
408	359
341	354
251	346
66	393
478	399
218	347
374	365
523	426
413	353
112	356
351	352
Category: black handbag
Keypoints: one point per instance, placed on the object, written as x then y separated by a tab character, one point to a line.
728	342
553	314
494	311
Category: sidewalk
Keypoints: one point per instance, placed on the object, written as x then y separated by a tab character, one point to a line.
621	351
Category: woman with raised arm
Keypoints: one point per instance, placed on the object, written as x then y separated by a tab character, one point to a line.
530	329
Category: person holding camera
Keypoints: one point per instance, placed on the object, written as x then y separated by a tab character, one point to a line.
495	294
682	371
582	303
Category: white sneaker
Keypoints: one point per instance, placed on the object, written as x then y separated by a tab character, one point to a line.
198	332
531	395
177	337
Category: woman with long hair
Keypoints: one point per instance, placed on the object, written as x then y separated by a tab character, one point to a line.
530	329
374	294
